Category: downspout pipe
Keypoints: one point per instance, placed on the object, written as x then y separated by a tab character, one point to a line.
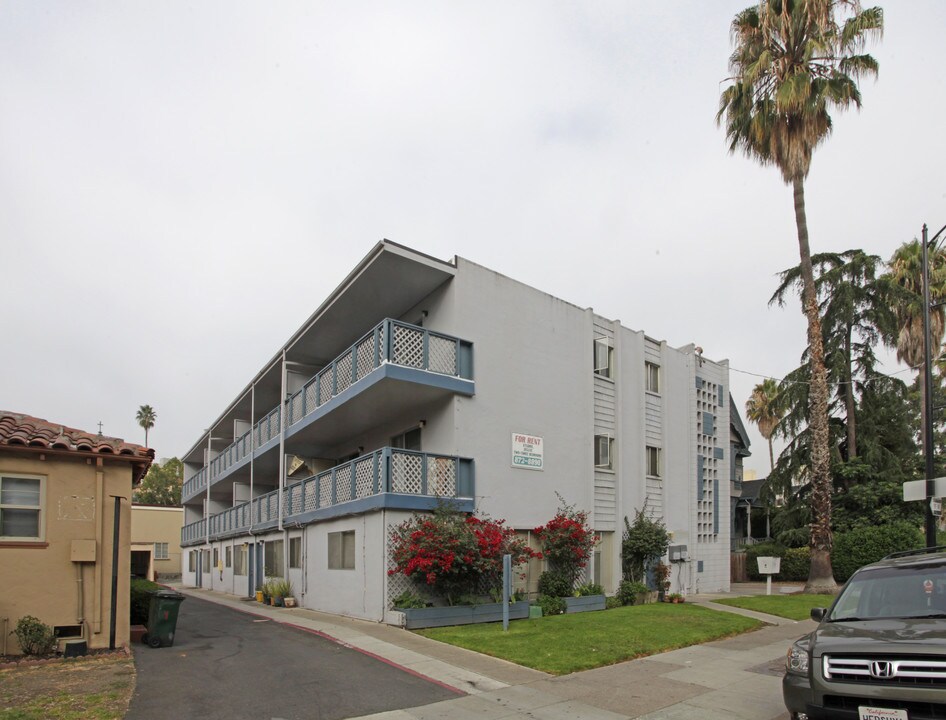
115	537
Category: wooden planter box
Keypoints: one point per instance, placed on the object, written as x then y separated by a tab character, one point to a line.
585	603
415	618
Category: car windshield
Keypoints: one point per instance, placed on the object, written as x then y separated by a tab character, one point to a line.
905	591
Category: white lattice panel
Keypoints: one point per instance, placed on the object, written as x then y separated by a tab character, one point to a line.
309	497
311	401
406	472
365	355
408	347
325	385
442	355
294	500
342	373
397	583
364	477
442	477
343	484
325	490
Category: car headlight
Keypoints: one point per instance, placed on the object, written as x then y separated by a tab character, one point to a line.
796	660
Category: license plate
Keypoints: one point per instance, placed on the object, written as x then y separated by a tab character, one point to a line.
876	713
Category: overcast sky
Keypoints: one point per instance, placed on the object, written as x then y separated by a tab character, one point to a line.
183	183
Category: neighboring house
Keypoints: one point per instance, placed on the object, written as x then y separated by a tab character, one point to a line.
419	378
60	489
740	487
156	542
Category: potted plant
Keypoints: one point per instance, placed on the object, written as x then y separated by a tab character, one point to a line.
281	589
675	598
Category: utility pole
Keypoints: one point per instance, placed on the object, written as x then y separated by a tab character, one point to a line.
928	388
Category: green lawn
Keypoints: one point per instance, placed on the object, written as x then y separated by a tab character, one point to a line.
794	607
563	644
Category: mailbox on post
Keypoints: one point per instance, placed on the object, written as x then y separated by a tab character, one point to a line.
769	566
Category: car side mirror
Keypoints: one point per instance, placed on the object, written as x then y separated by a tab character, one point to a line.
817	614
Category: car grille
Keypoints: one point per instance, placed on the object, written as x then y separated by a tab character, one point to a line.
916	710
922	671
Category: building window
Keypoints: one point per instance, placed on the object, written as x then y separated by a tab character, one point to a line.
604	357
409	440
161	551
273	560
341	550
206	556
604	444
192	561
216	562
653	461
652	373
21	507
228	557
239	561
295	552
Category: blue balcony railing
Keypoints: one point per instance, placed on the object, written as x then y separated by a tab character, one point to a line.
389	341
387	470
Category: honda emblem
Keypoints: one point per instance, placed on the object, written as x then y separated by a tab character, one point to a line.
882	670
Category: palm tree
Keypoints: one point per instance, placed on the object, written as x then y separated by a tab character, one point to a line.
764	409
146	417
793	60
906	294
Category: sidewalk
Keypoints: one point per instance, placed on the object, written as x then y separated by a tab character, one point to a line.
735	678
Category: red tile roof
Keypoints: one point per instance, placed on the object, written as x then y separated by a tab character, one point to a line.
19	430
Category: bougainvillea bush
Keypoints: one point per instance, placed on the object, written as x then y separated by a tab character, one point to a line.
451	552
567	541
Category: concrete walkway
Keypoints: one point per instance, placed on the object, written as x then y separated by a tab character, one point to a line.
735	678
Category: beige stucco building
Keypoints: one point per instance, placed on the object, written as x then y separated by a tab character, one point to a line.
65	495
156	542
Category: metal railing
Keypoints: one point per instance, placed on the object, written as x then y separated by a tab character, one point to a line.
195	484
389	341
387	470
194	532
236	451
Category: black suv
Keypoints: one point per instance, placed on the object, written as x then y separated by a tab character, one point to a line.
879	653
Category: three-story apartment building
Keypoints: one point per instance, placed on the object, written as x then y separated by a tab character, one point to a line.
419	379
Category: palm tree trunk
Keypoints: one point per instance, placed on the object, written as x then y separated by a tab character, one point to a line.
771	455
820	576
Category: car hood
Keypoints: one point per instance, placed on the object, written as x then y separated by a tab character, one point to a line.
887	636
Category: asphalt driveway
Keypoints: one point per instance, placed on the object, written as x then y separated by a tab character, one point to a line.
230	665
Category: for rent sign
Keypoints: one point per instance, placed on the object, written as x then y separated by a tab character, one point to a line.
527	451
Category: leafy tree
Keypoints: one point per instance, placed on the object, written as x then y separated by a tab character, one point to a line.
855	315
162	484
146	417
793	61
645	540
765	410
905	284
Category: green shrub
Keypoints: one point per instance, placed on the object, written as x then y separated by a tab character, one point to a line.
796	564
612	602
555	584
34	637
141	592
409	599
589	589
865	545
645	540
628	591
551	605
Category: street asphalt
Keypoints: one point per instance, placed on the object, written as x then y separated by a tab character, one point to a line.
230	664
269	670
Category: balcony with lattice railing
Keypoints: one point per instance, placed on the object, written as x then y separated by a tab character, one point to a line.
420	362
385	478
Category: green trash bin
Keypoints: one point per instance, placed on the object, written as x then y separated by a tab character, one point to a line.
162	618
